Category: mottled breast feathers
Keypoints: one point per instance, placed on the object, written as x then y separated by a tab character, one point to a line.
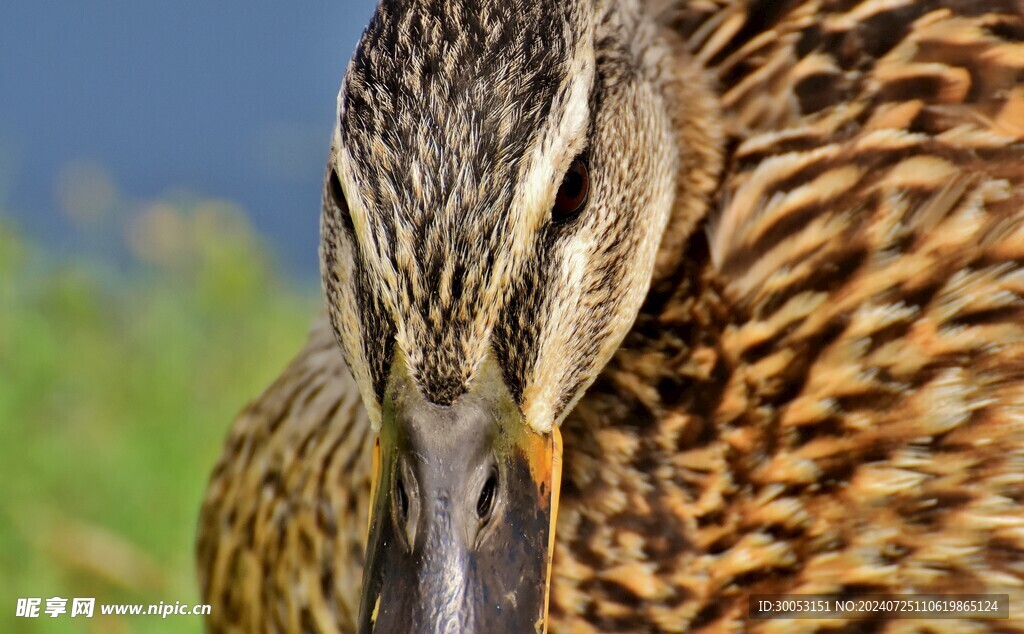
827	395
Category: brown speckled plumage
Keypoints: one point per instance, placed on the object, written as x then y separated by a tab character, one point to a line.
823	390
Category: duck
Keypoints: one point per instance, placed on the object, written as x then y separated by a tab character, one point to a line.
637	310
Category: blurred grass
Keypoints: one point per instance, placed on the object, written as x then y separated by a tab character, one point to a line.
118	380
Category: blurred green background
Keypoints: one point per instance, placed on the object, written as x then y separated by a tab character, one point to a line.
159	200
118	383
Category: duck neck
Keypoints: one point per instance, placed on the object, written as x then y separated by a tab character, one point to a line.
658	392
688	91
657	395
676	327
654	401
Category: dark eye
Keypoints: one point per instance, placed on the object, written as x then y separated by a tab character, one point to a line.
573	193
334	188
337	195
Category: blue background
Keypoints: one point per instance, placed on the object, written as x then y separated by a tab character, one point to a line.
218	98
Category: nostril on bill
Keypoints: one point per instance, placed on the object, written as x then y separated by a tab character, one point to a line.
485	503
404	506
401	502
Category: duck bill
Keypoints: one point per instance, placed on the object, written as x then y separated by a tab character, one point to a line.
463	511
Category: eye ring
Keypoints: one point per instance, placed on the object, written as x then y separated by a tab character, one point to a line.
573	193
